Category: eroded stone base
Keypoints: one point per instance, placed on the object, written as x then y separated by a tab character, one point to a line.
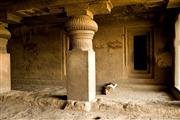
78	105
5	81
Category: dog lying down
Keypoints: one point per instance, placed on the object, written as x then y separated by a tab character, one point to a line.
108	88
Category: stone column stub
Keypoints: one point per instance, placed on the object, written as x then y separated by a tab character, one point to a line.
177	52
5	70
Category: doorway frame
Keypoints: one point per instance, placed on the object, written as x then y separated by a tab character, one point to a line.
134	31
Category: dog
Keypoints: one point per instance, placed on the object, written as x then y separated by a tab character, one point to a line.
108	88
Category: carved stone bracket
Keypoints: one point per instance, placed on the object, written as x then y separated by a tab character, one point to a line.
90	9
100	7
173	4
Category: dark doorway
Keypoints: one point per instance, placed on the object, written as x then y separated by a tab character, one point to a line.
140	52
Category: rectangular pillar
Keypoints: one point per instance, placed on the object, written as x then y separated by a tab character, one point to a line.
81	75
177	53
5	81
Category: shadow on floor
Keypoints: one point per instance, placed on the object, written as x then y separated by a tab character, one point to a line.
62	97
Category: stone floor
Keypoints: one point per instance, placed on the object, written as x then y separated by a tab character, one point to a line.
126	102
140	94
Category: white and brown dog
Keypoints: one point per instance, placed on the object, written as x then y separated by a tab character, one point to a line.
108	88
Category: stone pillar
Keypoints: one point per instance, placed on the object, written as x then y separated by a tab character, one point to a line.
81	78
177	52
5	79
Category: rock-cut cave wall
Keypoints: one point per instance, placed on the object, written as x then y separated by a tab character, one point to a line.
37	56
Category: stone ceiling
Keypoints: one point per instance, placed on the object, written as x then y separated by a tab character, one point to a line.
44	11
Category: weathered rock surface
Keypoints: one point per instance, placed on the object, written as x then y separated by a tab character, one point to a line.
50	103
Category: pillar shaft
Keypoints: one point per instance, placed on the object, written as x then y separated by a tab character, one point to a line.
177	52
81	80
5	81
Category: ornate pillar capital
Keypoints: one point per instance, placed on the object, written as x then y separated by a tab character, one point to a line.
82	22
81	30
4	36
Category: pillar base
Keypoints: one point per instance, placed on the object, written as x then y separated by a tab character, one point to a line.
78	106
81	80
5	81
